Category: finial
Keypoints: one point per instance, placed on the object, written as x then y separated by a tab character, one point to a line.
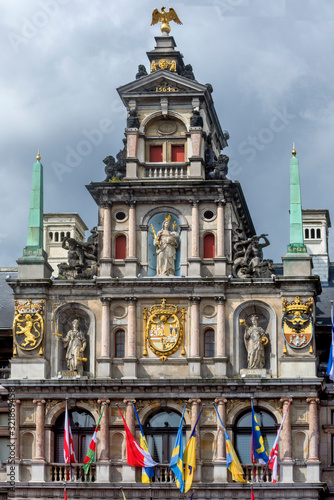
294	152
164	18
38	157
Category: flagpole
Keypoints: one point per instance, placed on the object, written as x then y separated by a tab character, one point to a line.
69	439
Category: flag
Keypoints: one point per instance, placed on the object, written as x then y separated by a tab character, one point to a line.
90	455
176	462
232	460
65	494
147	472
252	495
69	455
273	459
136	456
189	458
124	497
330	366
258	449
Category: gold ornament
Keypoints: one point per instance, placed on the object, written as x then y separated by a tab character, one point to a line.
28	322
297	323
164	18
164	332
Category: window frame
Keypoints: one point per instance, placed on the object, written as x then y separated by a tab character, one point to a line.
211	344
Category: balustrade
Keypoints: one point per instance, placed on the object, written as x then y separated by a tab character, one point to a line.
257	473
58	473
170	172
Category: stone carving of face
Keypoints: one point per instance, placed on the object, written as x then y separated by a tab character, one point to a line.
166	225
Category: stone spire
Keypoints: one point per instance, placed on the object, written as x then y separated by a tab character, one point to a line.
296	262
296	218
34	263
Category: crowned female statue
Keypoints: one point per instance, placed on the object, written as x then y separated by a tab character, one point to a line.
167	242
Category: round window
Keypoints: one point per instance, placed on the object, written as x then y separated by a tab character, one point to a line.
208	214
120	216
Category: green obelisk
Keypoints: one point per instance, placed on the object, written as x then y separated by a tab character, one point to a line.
297	262
33	264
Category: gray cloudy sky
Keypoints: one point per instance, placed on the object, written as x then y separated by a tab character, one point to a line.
270	63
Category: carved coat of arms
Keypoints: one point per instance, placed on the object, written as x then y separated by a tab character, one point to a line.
297	322
164	330
28	327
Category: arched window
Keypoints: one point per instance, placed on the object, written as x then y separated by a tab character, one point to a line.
62	236
160	430
120	247
312	233
68	234
243	433
318	233
82	425
209	246
57	236
307	234
119	344
209	343
50	236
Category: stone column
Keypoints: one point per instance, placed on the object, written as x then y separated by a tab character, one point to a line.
38	464
286	467
132	135
313	461
220	258
129	473
220	471
131	262
195	360
194	260
104	362
105	260
195	409
130	361
220	358
103	466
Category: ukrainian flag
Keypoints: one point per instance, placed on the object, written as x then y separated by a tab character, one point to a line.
189	458
176	463
147	472
232	460
258	448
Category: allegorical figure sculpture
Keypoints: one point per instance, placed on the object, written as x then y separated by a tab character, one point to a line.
255	340
75	342
167	242
81	257
248	257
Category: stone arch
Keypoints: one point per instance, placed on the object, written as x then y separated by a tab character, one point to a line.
64	315
268	321
60	407
119	234
243	407
27	446
157	114
208	446
165	209
155	405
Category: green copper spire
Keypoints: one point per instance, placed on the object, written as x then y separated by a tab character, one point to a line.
296	221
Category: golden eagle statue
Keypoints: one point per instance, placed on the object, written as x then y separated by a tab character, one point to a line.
164	18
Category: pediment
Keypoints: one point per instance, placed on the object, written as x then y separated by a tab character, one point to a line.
162	82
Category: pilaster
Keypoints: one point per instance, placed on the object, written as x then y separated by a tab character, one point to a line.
195	360
286	465
130	361
220	357
131	262
103	466
106	257
220	470
195	260
313	461
38	464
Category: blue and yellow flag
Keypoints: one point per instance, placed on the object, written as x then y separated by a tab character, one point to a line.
147	472
189	458
232	460
176	463
258	447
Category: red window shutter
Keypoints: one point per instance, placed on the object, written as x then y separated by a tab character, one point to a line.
120	247
209	246
156	154
178	153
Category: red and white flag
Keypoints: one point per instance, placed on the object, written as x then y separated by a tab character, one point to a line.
69	455
136	456
252	495
273	459
65	494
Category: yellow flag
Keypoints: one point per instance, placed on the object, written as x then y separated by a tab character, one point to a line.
189	458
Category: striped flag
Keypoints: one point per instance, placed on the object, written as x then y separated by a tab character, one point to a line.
90	455
147	472
69	455
232	460
273	459
330	366
258	449
136	456
189	458
176	462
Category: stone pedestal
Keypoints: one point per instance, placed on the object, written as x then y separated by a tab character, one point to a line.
292	367
313	472
220	367
129	474
194	267
105	267
194	367
220	266
102	472
253	373
196	167
297	264
37	472
220	471
33	368
131	169
28	270
103	368
286	471
13	474
130	368
131	267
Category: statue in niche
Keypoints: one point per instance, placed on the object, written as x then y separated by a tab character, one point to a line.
75	342
167	242
248	257
255	340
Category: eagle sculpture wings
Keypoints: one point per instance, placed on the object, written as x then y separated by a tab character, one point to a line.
164	18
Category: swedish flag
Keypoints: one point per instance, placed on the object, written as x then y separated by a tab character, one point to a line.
258	447
147	472
189	458
176	463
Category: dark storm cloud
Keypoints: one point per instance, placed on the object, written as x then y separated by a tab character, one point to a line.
268	62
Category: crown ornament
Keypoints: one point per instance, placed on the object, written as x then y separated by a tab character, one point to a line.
297	305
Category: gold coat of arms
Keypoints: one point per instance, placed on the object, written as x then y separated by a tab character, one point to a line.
164	330
297	322
28	327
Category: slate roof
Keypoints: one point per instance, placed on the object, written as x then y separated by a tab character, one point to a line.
6	298
323	310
